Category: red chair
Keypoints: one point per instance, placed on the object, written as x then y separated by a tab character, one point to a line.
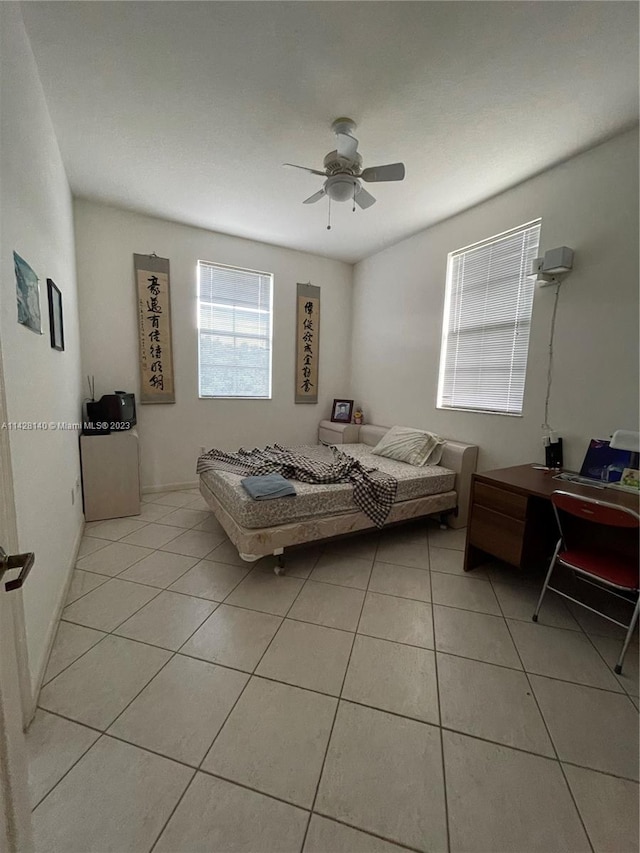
599	544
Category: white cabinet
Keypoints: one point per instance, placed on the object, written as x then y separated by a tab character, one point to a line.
110	475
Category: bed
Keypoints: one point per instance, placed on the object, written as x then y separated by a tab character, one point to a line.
319	512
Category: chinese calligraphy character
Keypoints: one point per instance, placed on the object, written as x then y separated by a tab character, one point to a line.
153	287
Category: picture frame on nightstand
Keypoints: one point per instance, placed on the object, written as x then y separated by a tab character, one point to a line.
341	411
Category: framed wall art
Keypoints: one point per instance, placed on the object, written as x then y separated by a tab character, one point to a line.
56	326
27	295
154	329
307	343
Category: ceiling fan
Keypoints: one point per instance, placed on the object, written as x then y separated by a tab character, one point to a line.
344	173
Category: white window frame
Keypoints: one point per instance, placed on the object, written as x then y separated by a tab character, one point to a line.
446	322
269	275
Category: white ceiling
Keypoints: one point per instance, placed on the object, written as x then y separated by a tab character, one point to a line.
186	110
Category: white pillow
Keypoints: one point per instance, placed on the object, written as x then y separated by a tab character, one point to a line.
414	446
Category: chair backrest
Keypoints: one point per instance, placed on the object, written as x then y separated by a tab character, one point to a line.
587	523
598	512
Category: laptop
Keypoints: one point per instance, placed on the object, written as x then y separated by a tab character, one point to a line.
602	465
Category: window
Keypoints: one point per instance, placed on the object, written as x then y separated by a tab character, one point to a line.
487	316
234	331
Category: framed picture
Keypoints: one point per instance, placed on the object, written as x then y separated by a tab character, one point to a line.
341	411
55	316
27	295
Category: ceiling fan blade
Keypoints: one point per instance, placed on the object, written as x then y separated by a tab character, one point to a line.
364	199
315	197
305	169
347	145
390	172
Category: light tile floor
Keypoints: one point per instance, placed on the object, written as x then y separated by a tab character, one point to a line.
372	700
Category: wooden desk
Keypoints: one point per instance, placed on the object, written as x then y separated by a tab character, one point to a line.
511	517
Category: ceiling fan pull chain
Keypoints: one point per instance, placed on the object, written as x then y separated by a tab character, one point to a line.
329	225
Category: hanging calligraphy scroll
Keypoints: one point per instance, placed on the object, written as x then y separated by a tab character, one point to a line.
307	343
154	329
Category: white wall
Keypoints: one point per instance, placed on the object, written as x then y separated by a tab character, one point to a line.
589	203
42	384
171	434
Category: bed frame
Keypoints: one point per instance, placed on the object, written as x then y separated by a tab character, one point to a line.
255	543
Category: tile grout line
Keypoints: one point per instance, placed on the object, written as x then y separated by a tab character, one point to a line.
106	633
368	833
146	523
548	730
339	700
462	732
619	692
172	655
172	812
69	769
321	693
210	747
437	677
251	674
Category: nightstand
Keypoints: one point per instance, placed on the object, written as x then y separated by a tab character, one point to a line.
336	433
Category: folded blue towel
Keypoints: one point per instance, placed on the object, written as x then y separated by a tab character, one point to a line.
268	486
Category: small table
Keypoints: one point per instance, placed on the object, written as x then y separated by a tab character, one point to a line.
511	516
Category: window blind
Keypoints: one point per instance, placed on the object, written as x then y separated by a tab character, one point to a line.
234	331
487	318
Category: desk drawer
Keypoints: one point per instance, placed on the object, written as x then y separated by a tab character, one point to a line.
497	534
508	503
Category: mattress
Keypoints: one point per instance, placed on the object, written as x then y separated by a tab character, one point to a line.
313	500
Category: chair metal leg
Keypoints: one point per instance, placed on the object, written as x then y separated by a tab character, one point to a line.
627	639
546	580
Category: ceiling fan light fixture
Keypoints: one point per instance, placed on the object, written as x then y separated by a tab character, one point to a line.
341	187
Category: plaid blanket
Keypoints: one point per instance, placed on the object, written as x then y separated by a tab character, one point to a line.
373	491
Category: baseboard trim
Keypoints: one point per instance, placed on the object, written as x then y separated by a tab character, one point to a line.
53	628
170	487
